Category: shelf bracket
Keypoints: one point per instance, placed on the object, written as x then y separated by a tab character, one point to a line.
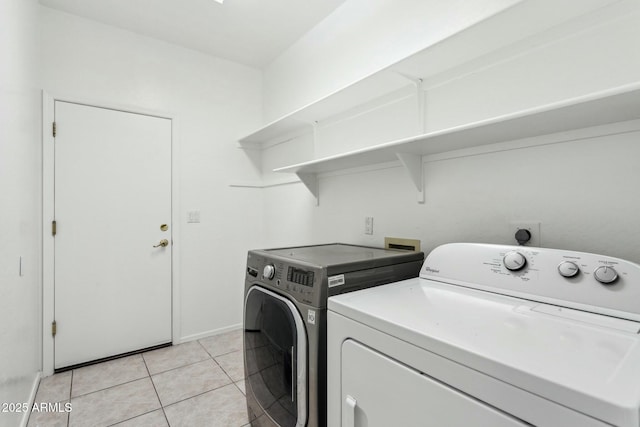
413	165
413	79
310	180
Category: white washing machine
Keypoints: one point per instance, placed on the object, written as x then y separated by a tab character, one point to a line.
490	336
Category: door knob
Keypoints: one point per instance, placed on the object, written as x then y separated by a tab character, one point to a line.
164	243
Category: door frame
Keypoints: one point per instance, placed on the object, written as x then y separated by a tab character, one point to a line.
48	189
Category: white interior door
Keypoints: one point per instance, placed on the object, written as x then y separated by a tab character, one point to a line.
112	197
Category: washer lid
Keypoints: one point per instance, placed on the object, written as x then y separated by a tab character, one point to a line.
588	362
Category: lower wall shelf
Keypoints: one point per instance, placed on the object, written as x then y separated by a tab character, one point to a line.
614	105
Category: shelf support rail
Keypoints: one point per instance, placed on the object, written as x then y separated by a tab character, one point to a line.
413	165
420	99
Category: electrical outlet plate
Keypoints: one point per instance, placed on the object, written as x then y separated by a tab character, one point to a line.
532	226
368	225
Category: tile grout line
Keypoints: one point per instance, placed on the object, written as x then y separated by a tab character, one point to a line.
229	376
190	364
238	387
132	418
180	367
109	388
222	354
241	350
205	349
204	392
101	369
217	365
156	390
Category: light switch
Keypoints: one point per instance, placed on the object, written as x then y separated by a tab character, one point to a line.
368	225
193	217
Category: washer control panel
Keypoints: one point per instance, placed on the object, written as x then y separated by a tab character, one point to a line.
300	282
580	280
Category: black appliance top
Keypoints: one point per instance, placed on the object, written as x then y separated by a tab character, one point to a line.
341	254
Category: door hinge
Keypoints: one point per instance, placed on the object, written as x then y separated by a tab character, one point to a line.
54	228
54	328
54	129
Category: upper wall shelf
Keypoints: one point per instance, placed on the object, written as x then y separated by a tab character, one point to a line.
611	106
447	50
304	118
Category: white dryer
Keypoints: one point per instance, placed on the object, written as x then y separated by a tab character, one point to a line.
492	336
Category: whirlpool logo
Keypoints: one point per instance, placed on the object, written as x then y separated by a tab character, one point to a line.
431	270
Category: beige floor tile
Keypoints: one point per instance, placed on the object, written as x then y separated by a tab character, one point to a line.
224	407
233	364
174	357
108	374
55	388
152	419
182	383
55	416
223	343
114	405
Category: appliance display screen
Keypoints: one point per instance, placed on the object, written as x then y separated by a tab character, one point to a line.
300	276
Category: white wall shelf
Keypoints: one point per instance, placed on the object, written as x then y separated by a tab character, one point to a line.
303	119
599	108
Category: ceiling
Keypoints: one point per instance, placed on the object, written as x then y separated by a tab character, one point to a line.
251	32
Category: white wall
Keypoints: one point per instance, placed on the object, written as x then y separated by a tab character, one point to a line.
20	209
583	190
214	101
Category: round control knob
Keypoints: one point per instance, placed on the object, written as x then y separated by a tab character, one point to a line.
269	271
514	261
568	269
605	275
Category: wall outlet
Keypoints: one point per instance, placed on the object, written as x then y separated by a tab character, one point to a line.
532	227
368	225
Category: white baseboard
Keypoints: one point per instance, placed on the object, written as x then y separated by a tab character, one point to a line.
209	333
32	399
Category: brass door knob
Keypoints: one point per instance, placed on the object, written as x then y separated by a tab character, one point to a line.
164	243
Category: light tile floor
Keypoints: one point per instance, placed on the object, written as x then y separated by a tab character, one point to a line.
199	383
